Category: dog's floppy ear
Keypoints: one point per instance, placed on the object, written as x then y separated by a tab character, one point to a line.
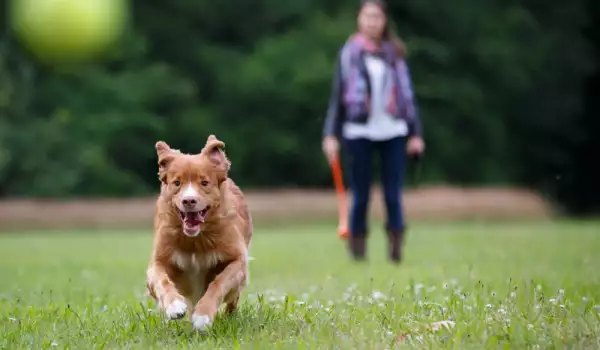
214	151
165	156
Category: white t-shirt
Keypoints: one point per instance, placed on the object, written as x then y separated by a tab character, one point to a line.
381	125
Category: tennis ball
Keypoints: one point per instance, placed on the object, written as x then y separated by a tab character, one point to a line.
68	31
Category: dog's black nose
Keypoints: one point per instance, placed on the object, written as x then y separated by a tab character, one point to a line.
189	201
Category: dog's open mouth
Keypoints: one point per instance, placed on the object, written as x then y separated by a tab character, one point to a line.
192	220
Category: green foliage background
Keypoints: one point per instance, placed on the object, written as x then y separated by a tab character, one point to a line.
507	92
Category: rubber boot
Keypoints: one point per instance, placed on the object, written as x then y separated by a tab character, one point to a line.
357	246
395	243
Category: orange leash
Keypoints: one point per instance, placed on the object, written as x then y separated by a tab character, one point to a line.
338	180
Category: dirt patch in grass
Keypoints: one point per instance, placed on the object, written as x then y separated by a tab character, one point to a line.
424	204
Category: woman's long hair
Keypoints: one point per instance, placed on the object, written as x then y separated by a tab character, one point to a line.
388	31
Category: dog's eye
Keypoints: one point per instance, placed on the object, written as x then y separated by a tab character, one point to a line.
204	183
176	183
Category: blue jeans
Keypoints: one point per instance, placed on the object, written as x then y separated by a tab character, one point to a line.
392	155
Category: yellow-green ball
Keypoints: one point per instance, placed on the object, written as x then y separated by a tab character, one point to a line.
68	31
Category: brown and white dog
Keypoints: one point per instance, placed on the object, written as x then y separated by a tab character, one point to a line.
202	232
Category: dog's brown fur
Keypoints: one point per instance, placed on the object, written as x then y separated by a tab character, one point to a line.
195	275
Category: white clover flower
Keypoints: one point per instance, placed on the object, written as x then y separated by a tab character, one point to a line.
378	295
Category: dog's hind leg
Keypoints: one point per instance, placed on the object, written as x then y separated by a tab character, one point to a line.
231	302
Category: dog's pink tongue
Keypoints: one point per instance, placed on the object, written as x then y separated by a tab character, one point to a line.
193	218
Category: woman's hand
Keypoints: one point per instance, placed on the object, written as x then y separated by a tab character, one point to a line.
331	147
415	145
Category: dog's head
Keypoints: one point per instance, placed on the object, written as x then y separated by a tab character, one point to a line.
191	183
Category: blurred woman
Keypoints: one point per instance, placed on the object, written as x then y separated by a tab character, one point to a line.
372	108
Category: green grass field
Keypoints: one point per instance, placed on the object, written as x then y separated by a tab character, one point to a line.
517	285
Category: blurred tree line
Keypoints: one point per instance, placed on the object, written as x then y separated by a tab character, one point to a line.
507	92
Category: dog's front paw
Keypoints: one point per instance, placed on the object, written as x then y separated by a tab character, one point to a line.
201	322
176	309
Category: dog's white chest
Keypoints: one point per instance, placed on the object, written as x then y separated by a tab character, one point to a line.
195	267
192	262
187	262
